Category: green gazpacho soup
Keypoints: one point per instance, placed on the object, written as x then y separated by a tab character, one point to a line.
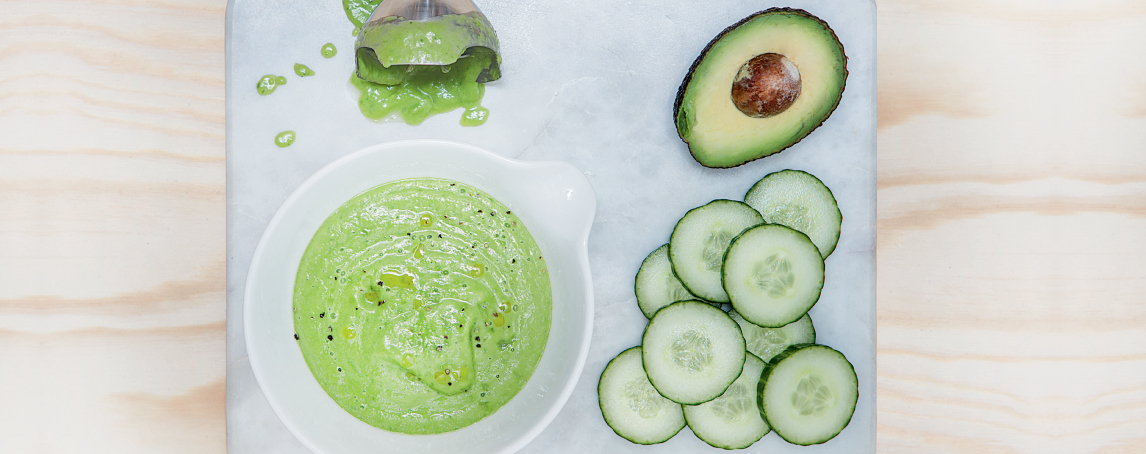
416	92
422	305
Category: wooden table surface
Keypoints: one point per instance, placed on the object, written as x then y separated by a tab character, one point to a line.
1011	235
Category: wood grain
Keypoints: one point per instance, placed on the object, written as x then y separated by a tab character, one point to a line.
1012	227
113	230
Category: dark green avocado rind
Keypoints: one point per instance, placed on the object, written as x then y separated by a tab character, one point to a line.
681	122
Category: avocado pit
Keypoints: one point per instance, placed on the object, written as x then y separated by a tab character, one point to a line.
766	85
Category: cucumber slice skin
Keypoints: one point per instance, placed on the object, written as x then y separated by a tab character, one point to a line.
679	328
775	416
670	423
656	286
766	342
696	250
779	195
713	429
757	248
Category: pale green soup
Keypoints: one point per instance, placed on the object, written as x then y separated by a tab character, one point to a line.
422	305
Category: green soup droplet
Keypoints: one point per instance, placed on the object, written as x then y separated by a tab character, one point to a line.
284	139
268	83
328	50
475	116
302	70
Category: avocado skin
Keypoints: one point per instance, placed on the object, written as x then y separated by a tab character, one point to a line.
692	70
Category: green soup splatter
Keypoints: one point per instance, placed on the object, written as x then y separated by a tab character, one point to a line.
422	305
284	139
358	11
328	50
302	70
269	83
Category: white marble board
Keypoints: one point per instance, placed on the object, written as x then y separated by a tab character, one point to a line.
591	83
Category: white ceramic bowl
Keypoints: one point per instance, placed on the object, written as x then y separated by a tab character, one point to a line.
557	205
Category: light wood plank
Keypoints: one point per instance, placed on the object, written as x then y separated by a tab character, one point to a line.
113	232
1012	185
1012	227
114	390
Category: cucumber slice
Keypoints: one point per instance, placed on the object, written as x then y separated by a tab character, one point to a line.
773	275
799	200
733	420
699	241
632	407
656	285
768	342
808	393
692	352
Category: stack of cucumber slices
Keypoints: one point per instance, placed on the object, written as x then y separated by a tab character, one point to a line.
734	376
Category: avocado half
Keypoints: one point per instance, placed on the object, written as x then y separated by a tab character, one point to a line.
718	133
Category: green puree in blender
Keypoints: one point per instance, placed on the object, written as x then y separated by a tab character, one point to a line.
416	92
422	305
420	91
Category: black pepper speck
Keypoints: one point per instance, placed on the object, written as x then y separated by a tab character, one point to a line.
329	337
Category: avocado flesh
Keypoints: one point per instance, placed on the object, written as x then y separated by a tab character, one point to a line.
720	135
